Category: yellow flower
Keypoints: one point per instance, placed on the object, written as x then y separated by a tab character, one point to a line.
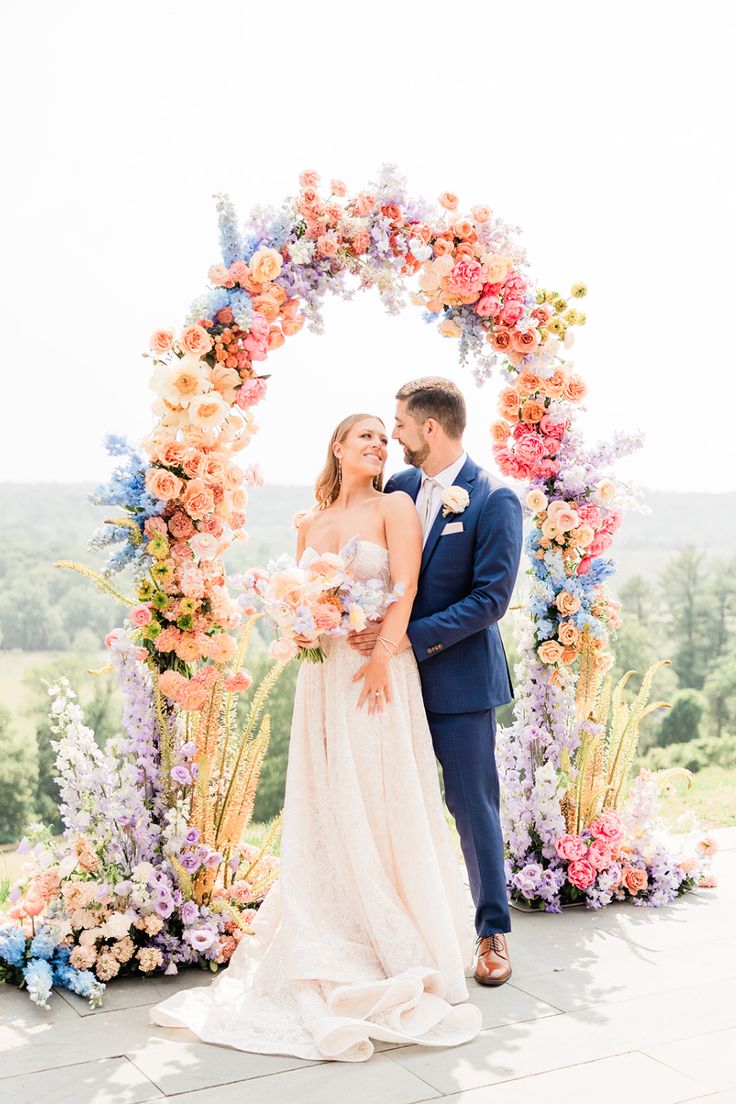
541	295
579	291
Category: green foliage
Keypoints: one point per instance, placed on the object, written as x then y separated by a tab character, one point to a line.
18	781
720	694
682	723
694	755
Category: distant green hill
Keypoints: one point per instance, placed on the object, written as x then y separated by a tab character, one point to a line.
48	521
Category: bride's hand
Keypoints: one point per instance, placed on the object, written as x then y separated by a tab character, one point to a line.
305	642
376	687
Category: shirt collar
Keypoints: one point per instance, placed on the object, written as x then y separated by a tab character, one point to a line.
447	477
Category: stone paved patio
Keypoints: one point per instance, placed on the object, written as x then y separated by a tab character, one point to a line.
624	1004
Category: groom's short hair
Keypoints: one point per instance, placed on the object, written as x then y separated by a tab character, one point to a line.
438	398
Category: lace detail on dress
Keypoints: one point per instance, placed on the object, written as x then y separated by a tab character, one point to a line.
367	933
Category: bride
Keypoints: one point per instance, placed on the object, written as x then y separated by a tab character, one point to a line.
366	935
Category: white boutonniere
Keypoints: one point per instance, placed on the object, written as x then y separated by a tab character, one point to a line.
454	500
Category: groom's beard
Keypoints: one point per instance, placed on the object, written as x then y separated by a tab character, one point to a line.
416	457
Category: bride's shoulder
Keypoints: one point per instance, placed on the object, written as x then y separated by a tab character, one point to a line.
397	504
304	518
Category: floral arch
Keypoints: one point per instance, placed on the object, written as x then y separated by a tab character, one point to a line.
165	842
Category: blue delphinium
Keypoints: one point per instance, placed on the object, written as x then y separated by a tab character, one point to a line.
12	945
39	979
43	944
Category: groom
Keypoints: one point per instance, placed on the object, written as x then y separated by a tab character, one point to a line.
471	547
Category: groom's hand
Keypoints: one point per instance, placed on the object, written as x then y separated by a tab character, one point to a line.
365	641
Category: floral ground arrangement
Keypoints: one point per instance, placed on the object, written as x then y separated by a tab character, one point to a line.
152	873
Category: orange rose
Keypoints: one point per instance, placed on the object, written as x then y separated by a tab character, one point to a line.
442	247
500	339
171	453
161	341
267	306
508	403
463	229
532	411
500	433
527	383
525	340
275	338
569	655
291	326
163	484
550	652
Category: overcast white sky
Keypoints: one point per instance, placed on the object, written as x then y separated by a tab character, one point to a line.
605	131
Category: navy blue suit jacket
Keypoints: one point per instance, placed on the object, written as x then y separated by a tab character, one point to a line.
465	584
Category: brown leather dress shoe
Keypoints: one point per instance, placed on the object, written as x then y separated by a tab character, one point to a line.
493	966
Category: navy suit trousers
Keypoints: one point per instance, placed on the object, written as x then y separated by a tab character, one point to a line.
465	744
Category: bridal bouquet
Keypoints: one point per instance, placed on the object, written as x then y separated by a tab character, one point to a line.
319	596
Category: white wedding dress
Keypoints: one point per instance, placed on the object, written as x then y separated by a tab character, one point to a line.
367	933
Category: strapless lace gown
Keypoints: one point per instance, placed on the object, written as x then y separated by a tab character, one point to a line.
367	933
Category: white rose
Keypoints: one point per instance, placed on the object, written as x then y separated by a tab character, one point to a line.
454	500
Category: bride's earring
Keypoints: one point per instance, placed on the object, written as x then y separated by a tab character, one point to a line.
339	471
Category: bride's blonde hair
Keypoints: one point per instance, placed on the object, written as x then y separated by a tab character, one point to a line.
327	487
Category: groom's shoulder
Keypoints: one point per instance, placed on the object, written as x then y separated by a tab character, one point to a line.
399	480
488	483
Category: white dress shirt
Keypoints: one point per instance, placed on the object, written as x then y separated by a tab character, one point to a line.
442	481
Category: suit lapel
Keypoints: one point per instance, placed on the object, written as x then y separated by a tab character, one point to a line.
413	483
465	479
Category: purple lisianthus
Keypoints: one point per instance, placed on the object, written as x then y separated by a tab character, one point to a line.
164	907
192	836
214	858
181	775
191	861
201	938
189	913
187	750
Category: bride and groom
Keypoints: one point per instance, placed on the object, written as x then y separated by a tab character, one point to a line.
366	934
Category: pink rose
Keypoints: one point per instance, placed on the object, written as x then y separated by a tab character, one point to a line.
488	307
112	637
239	273
141	616
161	341
511	313
195	340
571	848
599	854
580	873
608	826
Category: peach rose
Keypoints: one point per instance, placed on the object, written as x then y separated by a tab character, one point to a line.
500	339
635	880
442	247
265	265
480	214
449	201
508	403
198	499
567	603
275	338
550	651
532	411
217	274
568	634
450	328
195	340
553	385
606	490
567	519
292	326
163	484
525	340
267	306
171	454
583	536
527	383
574	389
161	341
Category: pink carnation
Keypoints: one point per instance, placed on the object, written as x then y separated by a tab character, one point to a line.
252	391
599	854
608	827
570	847
239	682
